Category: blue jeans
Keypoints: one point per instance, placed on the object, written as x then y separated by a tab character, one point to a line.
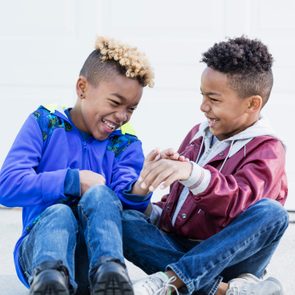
244	246
79	236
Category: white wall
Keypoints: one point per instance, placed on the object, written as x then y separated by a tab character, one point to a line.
44	43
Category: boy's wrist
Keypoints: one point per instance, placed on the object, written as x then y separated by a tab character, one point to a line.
198	180
188	171
193	176
137	190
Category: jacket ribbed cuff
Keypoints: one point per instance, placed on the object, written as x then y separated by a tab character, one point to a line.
72	183
198	180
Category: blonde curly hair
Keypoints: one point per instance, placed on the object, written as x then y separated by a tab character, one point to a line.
112	56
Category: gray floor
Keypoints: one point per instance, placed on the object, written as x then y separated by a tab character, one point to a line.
282	265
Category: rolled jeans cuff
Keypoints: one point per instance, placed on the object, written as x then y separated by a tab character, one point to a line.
209	289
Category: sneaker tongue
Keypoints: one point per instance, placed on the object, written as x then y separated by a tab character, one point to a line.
155	284
162	276
161	279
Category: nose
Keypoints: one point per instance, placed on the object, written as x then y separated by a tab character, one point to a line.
205	106
121	116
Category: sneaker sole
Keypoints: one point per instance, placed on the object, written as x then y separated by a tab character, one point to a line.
112	284
50	289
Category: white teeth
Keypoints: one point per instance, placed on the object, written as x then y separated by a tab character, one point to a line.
211	122
109	124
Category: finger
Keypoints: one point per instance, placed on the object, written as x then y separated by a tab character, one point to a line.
151	158
146	174
183	159
161	178
166	154
153	155
168	181
102	180
157	174
153	180
175	156
145	170
170	172
158	157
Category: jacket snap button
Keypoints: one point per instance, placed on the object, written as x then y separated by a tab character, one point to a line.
183	215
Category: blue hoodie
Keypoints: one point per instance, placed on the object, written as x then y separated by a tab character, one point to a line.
42	167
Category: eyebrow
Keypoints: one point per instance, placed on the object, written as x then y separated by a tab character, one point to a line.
210	93
121	97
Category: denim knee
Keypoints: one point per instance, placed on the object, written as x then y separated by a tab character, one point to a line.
268	209
99	196
132	222
63	214
129	216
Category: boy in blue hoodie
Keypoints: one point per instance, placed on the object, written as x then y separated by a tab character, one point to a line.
72	171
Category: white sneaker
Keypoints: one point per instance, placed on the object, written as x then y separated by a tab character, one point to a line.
156	284
248	284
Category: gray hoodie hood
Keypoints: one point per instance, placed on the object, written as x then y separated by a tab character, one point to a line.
235	142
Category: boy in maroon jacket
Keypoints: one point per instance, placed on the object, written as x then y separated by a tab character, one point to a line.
217	229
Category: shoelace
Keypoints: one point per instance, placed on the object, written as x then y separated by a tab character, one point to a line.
150	284
167	285
237	291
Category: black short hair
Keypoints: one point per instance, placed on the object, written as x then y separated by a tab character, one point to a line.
246	62
95	69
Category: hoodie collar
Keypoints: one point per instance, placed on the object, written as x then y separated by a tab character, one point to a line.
239	140
59	111
261	127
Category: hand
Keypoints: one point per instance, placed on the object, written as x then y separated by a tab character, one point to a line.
153	156
172	155
163	172
88	179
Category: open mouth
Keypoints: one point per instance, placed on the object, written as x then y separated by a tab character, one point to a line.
212	122
110	125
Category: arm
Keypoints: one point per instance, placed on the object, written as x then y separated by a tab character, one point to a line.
138	187
142	186
163	173
126	171
180	167
260	175
88	179
20	182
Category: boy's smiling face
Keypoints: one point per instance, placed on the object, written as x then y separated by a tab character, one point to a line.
103	108
227	113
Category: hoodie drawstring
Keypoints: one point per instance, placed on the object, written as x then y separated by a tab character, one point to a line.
200	150
227	156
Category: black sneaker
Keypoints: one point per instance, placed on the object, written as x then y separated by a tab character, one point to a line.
111	278
50	278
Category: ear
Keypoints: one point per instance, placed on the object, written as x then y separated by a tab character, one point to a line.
255	103
81	87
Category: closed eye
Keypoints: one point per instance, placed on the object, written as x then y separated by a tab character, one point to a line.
114	102
132	109
213	99
211	95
